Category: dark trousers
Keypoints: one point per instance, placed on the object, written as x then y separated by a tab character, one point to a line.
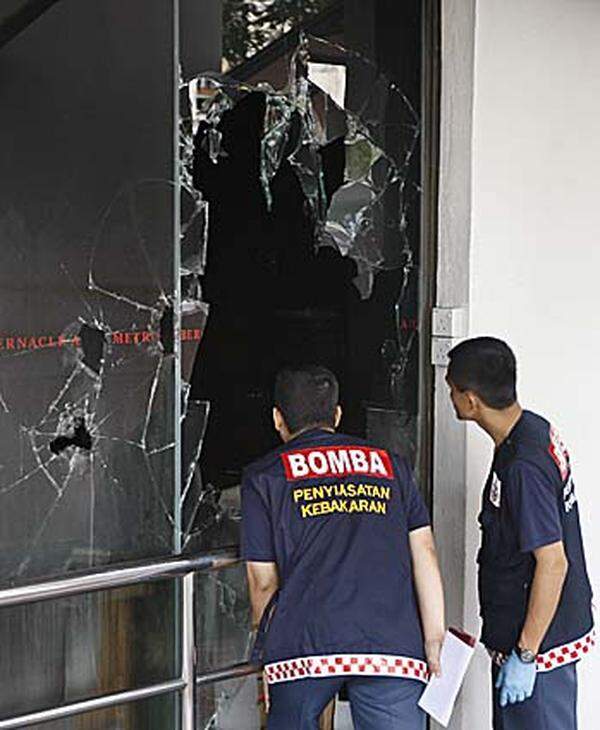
377	703
553	705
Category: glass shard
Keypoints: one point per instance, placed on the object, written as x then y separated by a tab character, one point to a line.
320	105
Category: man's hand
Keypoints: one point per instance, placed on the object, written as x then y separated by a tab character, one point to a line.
516	680
432	652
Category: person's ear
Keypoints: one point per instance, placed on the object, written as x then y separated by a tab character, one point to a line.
280	425
277	419
474	403
337	416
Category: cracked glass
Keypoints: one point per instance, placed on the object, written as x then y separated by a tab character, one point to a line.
157	276
307	157
87	404
106	382
317	178
229	705
222	618
91	344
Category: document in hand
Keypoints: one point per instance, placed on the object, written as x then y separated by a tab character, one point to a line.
440	694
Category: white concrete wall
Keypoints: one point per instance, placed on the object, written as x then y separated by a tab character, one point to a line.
535	249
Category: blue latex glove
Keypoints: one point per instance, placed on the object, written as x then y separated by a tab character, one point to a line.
516	680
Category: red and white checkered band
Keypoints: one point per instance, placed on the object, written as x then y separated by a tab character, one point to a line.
566	654
373	665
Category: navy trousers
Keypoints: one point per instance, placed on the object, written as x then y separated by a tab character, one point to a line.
377	703
553	705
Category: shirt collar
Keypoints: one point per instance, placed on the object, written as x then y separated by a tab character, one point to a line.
310	434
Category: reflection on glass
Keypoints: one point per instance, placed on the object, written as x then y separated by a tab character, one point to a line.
249	27
87	368
228	705
222	618
75	648
86	414
156	713
306	154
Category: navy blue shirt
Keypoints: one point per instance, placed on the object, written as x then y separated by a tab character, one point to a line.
529	501
334	514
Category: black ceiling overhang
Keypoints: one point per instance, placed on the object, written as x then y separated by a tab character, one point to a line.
16	15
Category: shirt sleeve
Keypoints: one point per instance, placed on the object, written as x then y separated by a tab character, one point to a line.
417	514
257	530
533	503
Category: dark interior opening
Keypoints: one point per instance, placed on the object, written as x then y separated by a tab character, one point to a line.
274	299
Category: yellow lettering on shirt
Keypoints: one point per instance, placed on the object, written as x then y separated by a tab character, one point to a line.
338	499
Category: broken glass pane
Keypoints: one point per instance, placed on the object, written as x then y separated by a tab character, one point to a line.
341	136
380	135
222	618
229	705
97	408
224	638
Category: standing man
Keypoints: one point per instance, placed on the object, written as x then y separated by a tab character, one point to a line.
342	568
534	590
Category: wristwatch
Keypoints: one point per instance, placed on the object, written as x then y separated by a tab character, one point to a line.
525	655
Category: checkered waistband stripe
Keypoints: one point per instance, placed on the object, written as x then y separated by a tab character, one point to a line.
566	654
314	667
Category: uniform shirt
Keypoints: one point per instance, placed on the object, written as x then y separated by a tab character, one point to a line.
334	514
529	501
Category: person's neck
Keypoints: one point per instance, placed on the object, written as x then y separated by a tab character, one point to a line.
499	424
312	427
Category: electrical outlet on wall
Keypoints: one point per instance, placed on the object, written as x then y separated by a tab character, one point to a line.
449	322
448	327
440	347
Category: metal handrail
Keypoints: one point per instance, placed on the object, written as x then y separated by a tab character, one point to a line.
235	671
116	577
96	703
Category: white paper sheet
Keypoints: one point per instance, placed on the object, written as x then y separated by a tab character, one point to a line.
440	694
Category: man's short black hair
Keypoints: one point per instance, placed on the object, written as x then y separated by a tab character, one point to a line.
488	367
307	396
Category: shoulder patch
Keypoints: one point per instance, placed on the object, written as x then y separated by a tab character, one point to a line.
330	461
559	453
569	497
496	491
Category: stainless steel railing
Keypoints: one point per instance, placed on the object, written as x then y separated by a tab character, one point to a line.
116	577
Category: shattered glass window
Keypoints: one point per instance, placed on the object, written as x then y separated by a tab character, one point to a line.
89	343
302	162
222	618
228	705
150	297
147	313
89	348
308	186
87	374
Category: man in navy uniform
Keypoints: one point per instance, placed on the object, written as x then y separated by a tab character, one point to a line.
342	568
534	590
